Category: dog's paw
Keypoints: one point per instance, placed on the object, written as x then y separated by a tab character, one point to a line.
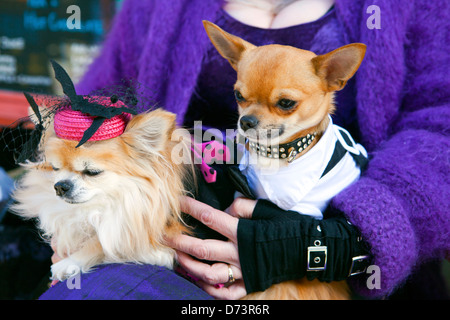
65	269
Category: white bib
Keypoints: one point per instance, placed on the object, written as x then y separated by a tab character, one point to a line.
299	186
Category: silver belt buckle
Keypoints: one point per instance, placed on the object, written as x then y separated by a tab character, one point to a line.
355	261
317	259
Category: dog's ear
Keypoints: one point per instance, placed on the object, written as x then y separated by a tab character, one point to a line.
338	66
229	46
149	132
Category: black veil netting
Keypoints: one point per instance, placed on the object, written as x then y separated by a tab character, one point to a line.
20	140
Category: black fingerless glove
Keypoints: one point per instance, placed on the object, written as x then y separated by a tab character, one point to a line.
278	245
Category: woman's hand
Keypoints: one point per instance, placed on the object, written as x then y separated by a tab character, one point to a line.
214	278
55	256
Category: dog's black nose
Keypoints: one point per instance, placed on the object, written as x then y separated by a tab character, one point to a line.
63	187
248	122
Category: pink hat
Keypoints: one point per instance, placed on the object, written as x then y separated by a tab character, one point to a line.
71	125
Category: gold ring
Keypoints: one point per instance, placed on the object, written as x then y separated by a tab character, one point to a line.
231	278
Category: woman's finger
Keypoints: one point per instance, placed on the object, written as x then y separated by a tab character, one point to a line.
209	249
235	291
213	274
213	218
55	258
241	208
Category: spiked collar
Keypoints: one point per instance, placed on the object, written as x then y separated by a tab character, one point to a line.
286	151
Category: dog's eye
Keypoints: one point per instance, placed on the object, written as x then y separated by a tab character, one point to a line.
91	173
238	96
286	104
54	168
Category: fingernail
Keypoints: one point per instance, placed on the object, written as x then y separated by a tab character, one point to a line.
53	283
192	277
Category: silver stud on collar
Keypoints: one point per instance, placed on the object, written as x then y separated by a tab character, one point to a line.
286	151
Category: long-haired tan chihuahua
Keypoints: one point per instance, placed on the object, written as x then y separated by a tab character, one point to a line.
285	99
110	201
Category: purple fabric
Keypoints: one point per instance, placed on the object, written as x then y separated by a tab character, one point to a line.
126	282
402	111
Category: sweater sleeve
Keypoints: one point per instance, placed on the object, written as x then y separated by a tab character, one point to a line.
401	203
123	44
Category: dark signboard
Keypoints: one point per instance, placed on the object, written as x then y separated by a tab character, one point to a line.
34	31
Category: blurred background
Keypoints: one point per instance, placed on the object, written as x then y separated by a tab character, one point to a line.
34	31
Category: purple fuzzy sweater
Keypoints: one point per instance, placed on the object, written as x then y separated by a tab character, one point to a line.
401	204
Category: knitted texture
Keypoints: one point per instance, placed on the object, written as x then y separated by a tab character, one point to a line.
402	108
71	125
